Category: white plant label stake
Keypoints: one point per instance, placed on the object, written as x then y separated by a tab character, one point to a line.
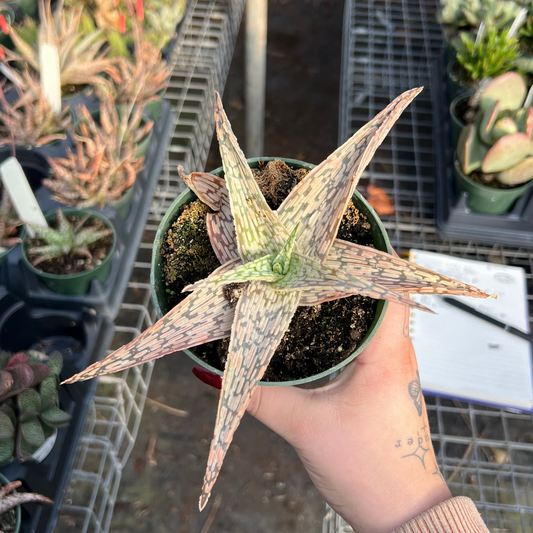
21	195
517	24
479	37
529	98
50	75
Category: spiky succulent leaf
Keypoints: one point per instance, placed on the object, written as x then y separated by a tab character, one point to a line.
12	500
329	186
259	232
202	317
261	318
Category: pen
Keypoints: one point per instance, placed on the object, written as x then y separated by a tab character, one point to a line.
471	311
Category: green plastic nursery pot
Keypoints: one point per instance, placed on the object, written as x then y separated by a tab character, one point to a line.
74	284
160	298
457	123
4	481
487	200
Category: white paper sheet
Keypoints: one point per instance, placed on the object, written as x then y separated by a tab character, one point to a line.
464	357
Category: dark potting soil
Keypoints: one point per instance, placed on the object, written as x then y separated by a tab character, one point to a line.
490	180
319	337
8	521
73	264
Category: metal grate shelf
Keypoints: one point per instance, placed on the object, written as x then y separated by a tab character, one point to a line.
200	66
389	46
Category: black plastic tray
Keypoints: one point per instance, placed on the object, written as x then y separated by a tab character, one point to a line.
21	327
102	297
453	218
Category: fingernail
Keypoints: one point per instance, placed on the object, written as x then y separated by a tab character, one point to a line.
208	377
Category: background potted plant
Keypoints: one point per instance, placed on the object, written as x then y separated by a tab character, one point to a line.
29	411
10	502
9	226
494	164
68	256
282	258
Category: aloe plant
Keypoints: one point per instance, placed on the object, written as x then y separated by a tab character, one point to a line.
68	238
499	141
10	499
82	58
490	56
290	258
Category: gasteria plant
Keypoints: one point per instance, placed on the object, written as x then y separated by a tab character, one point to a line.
30	121
82	58
290	257
492	55
499	141
29	412
69	238
104	163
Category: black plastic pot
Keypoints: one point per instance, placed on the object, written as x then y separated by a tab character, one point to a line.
83	338
102	297
160	297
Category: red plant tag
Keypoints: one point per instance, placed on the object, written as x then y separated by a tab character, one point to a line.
3	24
122	23
140	9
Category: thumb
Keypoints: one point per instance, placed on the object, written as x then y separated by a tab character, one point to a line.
283	409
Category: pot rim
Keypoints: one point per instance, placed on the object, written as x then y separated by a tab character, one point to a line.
486	188
71	211
380	309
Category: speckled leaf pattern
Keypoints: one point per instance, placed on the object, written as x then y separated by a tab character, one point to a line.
212	191
262	316
394	273
318	202
258	229
203	316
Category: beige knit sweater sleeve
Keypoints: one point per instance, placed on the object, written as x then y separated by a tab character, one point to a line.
458	515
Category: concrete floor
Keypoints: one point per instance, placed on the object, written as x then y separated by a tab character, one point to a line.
263	487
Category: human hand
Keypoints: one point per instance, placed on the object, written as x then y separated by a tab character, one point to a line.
364	438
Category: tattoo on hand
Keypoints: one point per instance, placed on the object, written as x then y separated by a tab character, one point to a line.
438	472
417	446
415	391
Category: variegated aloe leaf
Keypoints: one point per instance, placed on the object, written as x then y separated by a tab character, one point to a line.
319	201
258	229
213	192
358	261
262	316
202	317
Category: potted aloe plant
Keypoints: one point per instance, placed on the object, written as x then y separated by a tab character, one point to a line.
491	55
494	162
273	262
75	250
10	502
